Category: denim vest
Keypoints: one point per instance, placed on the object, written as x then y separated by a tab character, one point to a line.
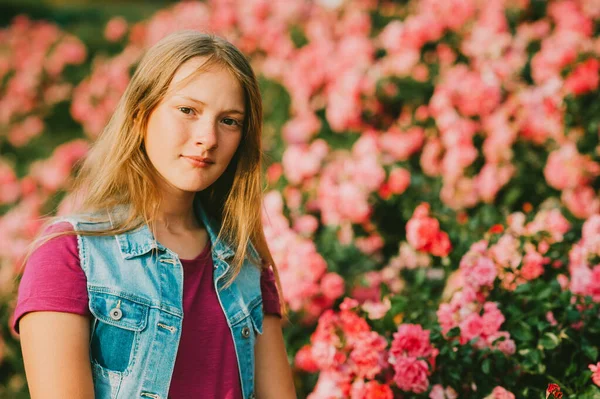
135	289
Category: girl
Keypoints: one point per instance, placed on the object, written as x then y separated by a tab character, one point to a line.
158	285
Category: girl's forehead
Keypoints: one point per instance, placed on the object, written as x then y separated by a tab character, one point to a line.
194	68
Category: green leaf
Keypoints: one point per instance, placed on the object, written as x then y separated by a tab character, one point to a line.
522	332
549	341
591	352
485	366
454	332
593	392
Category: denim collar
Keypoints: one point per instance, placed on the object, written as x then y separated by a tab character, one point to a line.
141	240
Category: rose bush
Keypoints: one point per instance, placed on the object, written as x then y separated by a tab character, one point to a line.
434	175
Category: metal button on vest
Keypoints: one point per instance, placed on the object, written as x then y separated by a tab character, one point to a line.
245	332
116	314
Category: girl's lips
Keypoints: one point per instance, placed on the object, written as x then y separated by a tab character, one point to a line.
199	162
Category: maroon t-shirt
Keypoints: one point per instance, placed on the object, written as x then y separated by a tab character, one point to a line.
206	364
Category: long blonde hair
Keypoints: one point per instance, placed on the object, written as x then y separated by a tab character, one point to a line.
117	170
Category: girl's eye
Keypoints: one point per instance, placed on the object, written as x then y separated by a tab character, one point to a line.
186	110
231	122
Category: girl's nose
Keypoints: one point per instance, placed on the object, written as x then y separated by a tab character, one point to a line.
205	134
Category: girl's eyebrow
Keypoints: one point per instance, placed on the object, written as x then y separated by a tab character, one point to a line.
228	111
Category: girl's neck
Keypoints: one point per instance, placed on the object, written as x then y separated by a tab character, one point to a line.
176	212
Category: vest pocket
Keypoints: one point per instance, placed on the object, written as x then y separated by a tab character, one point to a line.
256	315
115	335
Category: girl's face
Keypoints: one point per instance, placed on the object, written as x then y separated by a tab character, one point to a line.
195	130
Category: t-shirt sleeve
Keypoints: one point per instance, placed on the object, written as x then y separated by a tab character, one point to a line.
269	293
52	278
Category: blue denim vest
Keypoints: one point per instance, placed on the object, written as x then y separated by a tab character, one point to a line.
135	288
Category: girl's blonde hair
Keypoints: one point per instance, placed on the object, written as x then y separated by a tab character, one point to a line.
117	170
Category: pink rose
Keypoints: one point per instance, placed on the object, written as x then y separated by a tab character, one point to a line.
421	232
595	368
399	180
367	357
550	318
115	29
507	347
584	78
441	246
492	318
331	384
590	231
533	265
471	327
491	179
301	128
304	360
438	392
306	224
370	390
402	144
483	272
431	157
500	393
411	374
567	168
582	201
332	285
411	340
376	309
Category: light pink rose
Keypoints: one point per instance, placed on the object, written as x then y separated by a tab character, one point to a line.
491	179
501	393
20	134
115	29
402	144
582	201
331	384
438	392
301	128
370	244
306	224
459	194
568	169
590	234
550	318
508	347
595	368
431	157
11	188
376	309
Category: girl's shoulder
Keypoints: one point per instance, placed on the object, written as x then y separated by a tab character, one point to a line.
90	221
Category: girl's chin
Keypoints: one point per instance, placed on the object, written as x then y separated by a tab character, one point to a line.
191	187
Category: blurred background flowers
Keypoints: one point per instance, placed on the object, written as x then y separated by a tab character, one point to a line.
433	177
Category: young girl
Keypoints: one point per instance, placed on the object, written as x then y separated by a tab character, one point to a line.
158	284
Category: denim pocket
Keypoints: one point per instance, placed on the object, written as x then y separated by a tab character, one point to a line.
119	321
257	315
